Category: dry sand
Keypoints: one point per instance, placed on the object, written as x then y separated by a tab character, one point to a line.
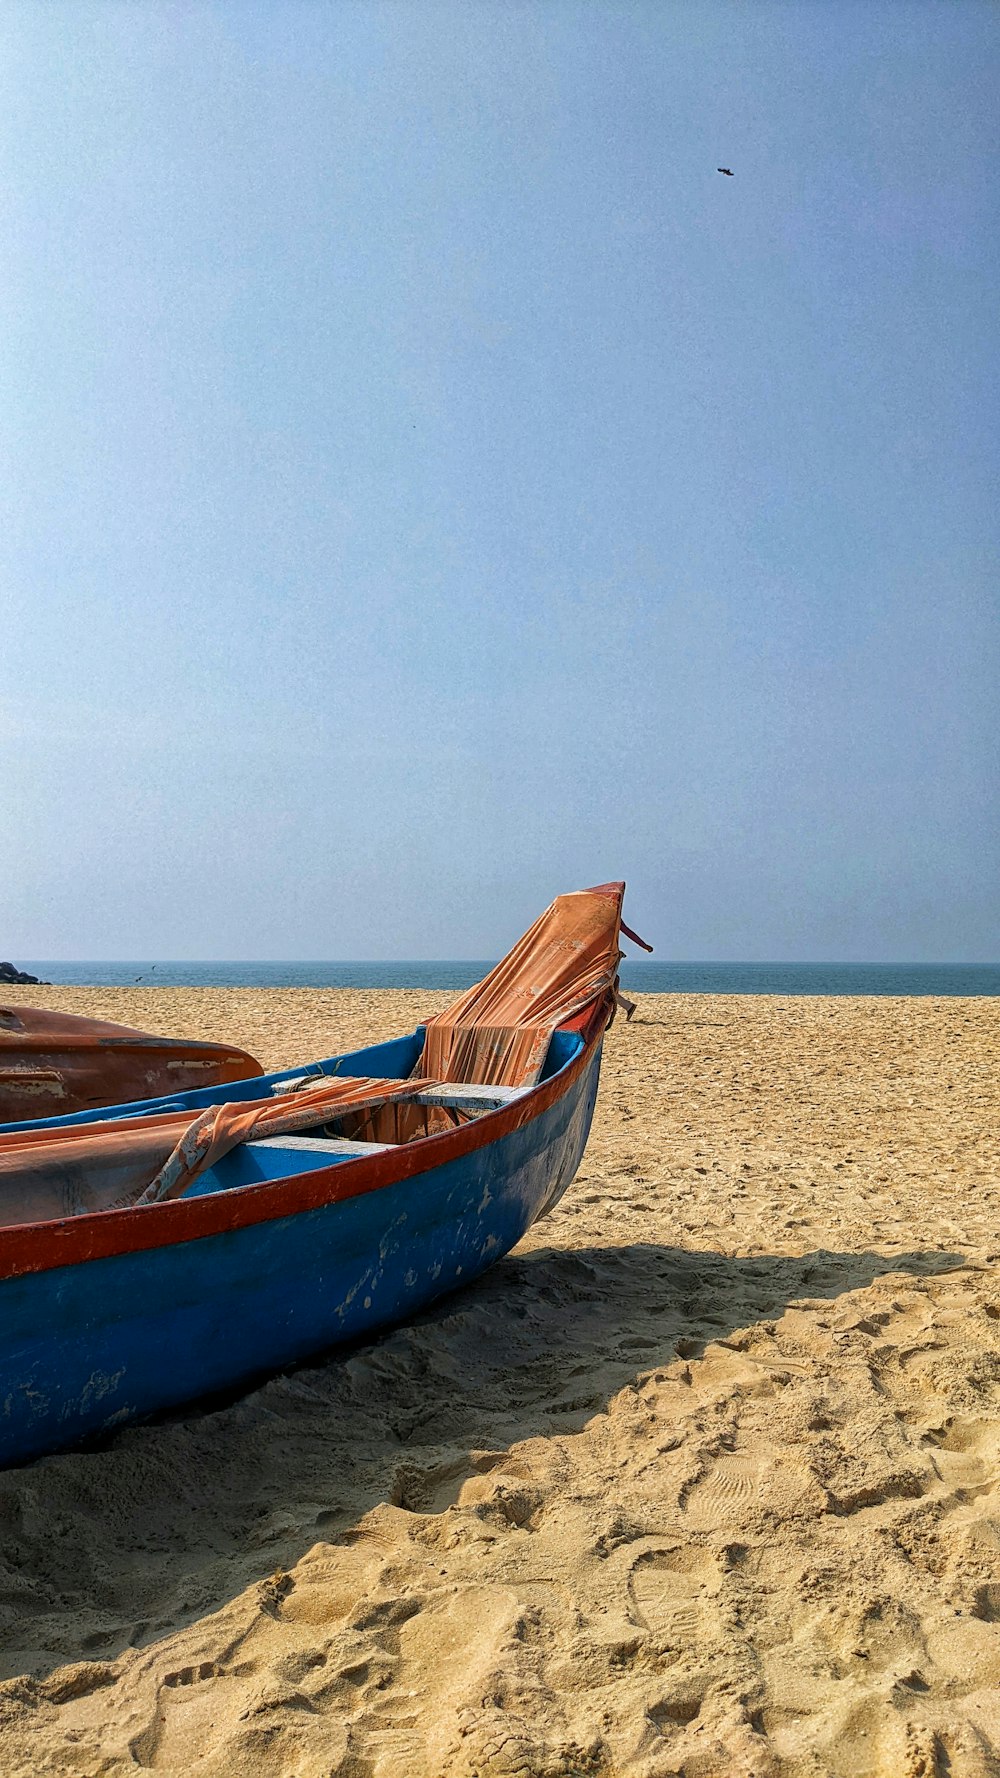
704	1479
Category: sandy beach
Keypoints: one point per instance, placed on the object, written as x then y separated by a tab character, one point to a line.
702	1480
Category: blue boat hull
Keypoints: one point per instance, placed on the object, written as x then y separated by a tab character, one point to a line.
88	1345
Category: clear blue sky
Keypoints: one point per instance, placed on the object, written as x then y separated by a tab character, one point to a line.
429	485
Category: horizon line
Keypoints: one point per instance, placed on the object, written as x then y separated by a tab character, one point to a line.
453	962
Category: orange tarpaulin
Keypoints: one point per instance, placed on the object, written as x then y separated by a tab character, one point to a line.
499	1031
50	1173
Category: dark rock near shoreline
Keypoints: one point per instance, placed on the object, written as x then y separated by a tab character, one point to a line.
8	974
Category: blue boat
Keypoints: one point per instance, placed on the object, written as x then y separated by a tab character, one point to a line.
336	1200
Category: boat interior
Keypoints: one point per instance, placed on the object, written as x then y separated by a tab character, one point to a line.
430	1111
74	1180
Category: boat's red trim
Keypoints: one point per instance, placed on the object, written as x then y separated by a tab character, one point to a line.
39	1247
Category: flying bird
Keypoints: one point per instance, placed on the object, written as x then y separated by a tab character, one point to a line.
727	170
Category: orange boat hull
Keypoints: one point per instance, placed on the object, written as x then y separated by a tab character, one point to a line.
53	1063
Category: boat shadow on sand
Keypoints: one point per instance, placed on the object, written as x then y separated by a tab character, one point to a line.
120	1544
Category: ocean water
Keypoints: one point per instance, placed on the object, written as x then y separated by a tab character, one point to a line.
645	977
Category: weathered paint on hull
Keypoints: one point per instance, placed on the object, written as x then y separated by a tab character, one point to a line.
88	1346
55	1063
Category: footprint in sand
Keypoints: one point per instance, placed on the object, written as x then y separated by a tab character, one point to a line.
672	1594
394	1745
727	1490
966	1453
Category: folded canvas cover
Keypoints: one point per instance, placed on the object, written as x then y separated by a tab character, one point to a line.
499	1031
